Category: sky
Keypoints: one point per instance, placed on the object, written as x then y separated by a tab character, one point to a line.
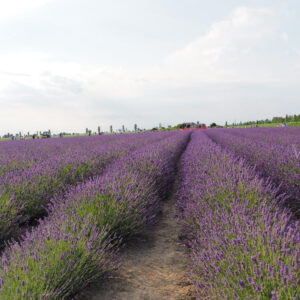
67	65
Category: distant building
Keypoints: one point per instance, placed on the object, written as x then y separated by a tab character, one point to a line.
192	125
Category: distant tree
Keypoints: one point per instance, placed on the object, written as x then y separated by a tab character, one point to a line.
277	120
123	128
99	129
111	129
135	127
212	125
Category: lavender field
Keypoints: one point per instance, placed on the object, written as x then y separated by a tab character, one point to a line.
68	206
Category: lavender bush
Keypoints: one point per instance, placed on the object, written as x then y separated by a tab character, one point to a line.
274	153
80	238
16	156
24	195
242	245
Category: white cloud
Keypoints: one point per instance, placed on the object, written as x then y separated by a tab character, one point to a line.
247	49
248	46
13	8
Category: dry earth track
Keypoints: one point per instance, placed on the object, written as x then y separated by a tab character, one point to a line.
154	265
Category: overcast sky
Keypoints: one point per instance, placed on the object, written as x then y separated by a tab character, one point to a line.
70	64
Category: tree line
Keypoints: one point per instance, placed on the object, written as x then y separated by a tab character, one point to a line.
276	120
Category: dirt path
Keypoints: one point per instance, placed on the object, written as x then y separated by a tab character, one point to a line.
154	265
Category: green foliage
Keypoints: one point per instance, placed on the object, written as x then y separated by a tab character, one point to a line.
291	120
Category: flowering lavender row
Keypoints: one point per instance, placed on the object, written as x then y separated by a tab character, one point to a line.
15	156
79	240
282	135
242	245
274	152
25	194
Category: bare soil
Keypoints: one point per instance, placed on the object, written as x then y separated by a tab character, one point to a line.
154	265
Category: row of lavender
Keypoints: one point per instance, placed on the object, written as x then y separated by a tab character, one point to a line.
80	238
15	156
25	193
242	245
274	152
281	135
